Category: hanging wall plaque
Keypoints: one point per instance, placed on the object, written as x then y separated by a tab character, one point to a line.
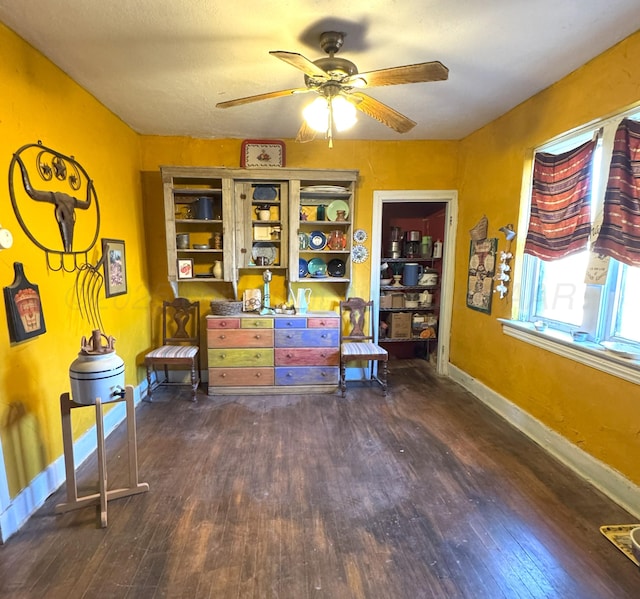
24	308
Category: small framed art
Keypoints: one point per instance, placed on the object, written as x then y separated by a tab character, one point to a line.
261	153
115	267
24	308
185	268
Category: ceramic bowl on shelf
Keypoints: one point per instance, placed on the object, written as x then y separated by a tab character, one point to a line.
385	282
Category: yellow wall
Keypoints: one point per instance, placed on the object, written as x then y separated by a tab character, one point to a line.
596	411
39	102
381	165
591	409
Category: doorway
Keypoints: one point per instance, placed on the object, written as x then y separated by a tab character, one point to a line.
426	199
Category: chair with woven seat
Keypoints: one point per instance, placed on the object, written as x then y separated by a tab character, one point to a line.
180	344
358	345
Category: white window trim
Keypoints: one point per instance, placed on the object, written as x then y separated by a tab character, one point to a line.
590	354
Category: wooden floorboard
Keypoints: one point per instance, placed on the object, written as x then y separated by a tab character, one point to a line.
424	494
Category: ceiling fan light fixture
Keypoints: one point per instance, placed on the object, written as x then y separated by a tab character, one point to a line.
317	115
344	113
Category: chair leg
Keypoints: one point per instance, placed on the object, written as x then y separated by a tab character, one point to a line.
194	382
383	377
149	370
343	379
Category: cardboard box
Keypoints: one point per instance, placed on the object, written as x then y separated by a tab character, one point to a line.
385	301
397	300
400	325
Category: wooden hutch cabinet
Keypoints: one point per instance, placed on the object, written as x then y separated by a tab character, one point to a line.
222	223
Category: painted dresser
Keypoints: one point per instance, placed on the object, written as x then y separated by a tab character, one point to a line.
251	354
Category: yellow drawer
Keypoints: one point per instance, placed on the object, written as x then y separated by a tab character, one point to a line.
230	358
256	323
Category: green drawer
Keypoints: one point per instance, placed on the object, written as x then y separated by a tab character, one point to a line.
257	356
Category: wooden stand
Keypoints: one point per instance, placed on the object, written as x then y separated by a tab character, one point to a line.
135	487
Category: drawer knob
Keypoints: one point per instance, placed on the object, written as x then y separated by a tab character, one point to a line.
324	335
223	323
289	355
223	336
223	375
258	355
257	336
289	336
223	356
258	375
289	374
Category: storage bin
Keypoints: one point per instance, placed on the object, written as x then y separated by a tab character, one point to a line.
400	325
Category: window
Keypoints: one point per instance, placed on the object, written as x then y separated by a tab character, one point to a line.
563	293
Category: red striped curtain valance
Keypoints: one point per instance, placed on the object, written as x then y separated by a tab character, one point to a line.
560	220
619	236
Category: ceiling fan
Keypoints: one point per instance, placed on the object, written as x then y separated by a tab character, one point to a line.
336	80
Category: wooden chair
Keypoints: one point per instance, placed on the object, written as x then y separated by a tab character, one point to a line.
358	345
180	343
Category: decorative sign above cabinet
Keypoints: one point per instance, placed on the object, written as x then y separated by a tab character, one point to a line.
260	153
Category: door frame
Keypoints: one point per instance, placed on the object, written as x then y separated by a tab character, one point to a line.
449	197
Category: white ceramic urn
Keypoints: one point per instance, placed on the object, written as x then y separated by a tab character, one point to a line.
97	371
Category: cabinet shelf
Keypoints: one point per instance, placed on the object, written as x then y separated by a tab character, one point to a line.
409	288
407	340
195	192
195	251
197	221
432	308
405	260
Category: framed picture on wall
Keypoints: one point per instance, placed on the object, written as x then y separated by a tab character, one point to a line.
115	267
482	269
24	308
185	268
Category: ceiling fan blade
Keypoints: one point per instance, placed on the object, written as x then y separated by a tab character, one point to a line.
257	98
305	133
413	73
383	113
300	62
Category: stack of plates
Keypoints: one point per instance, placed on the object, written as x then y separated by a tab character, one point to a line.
317	268
324	189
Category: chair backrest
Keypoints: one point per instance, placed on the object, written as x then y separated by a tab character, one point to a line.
356	307
181	322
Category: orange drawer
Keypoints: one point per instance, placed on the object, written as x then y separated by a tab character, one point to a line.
240	377
307	356
223	323
320	322
219	338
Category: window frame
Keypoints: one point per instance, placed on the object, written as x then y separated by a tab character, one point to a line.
556	335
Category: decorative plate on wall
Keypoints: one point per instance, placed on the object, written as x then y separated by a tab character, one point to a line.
359	235
359	254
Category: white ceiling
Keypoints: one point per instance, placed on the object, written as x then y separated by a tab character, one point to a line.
162	65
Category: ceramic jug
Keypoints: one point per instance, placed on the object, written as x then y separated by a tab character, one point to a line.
304	297
411	273
216	269
337	240
204	208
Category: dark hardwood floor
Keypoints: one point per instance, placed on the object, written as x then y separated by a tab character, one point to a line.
422	494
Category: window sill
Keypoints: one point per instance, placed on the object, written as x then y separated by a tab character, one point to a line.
585	352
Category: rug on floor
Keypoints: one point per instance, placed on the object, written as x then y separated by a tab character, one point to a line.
618	534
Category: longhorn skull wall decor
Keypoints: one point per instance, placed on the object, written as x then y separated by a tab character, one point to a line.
38	174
